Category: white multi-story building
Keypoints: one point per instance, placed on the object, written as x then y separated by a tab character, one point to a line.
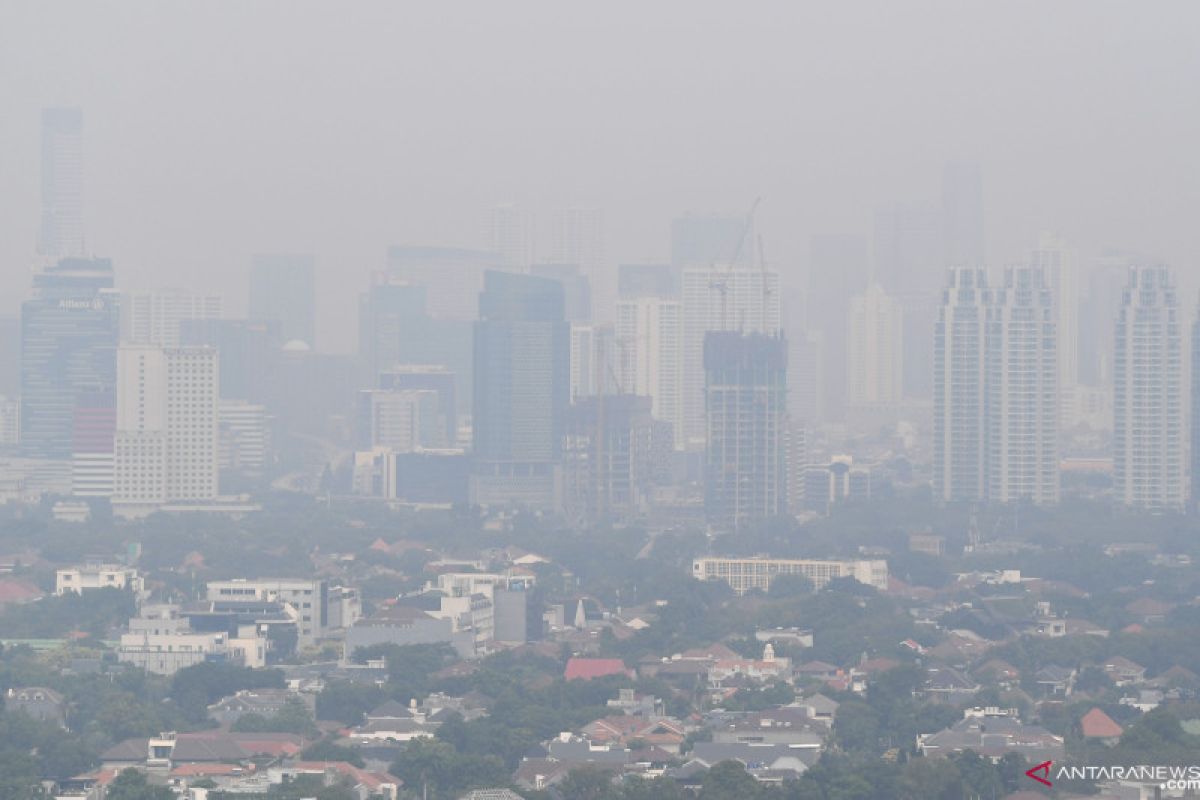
996	404
757	572
875	350
167	438
1148	446
154	317
649	333
162	642
400	420
593	360
98	576
1021	397
720	298
309	598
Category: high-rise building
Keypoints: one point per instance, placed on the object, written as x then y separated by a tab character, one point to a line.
508	233
62	184
244	439
93	430
839	268
389	313
1060	265
283	290
745	393
740	299
1021	400
908	264
400	420
609	456
1105	284
1195	430
250	352
996	402
69	331
451	276
795	454
10	355
1148	394
875	350
521	390
156	317
646	280
168	419
577	289
428	377
959	427
10	423
594	355
962	214
649	333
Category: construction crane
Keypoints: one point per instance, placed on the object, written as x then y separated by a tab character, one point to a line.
721	284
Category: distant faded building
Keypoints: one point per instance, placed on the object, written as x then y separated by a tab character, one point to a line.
244	438
611	456
521	391
283	291
746	390
309	598
649	343
404	625
156	317
62	184
875	345
88	577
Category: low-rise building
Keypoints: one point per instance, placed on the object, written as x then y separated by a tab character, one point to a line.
161	641
310	598
87	577
757	572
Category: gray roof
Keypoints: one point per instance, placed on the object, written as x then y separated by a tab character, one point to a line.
752	755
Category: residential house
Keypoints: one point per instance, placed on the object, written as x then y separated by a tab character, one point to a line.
1124	672
38	702
1097	725
1055	680
993	732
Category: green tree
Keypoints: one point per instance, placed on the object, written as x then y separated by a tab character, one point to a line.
589	783
132	785
729	780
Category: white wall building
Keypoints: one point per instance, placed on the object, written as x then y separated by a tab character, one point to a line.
1148	445
308	597
98	576
744	574
649	332
244	437
154	317
161	641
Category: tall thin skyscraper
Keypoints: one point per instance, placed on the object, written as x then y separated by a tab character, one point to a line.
740	299
745	394
650	347
62	184
69	332
155	317
521	391
996	399
1021	396
962	214
839	268
875	345
1148	394
283	290
958	389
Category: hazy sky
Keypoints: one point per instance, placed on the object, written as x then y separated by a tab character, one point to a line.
218	129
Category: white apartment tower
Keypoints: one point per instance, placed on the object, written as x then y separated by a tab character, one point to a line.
167	426
958	375
650	347
154	317
742	299
875	349
1021	401
1148	446
996	401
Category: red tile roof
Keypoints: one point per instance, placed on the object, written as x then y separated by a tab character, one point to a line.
15	590
587	668
1098	725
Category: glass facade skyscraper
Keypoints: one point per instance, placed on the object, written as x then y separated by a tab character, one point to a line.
69	333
